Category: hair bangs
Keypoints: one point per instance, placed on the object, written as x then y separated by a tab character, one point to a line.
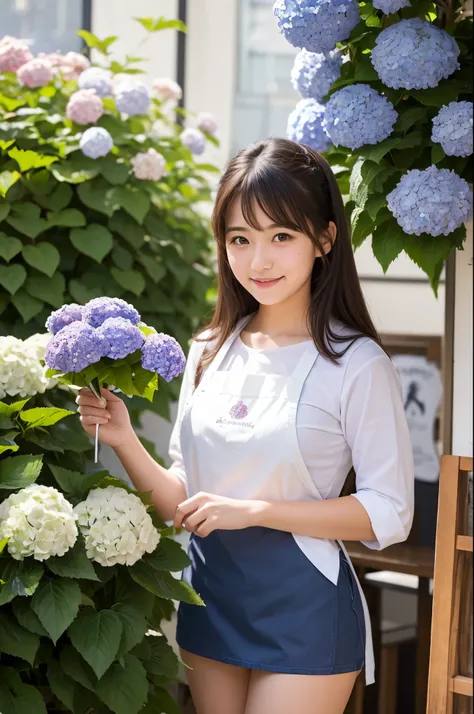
280	197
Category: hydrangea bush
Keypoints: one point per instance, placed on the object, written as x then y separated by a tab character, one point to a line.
394	119
85	576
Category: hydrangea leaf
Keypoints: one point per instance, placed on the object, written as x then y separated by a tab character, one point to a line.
77	169
95	241
134	625
361	226
49	289
17	697
4	209
42	256
62	686
43	416
160	700
163	584
77	668
158	657
135	202
388	243
56	603
27	306
96	636
27	159
73	564
168	555
26	218
20	471
27	618
58	199
116	172
70	217
427	252
75	483
9	247
131	280
99	196
15	640
12	277
81	293
7	180
124	688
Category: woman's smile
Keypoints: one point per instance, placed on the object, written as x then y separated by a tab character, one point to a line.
265	282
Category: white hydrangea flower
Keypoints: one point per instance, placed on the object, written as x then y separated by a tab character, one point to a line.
149	165
116	526
167	89
37	521
21	372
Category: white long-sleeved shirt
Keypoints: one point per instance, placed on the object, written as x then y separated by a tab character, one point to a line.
349	414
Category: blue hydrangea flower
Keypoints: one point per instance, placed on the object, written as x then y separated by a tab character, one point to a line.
313	73
97	310
194	140
119	337
358	115
414	54
162	354
316	25
96	142
73	348
434	201
64	316
98	79
452	128
305	125
390	6
132	97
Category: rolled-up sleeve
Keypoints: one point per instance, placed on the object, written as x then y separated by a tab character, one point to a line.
187	388
376	429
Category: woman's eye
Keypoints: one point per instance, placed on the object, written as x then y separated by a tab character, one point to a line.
282	237
239	240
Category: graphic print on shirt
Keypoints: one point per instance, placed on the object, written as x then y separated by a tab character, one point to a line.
238	412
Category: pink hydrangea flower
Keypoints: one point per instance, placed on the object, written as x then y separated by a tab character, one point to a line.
207	123
77	61
239	410
13	54
35	73
149	165
166	88
85	107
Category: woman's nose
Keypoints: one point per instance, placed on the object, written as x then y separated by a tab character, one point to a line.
261	260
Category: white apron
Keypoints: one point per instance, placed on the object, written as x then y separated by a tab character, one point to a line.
239	440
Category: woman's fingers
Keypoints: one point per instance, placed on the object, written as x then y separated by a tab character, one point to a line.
87	410
89	420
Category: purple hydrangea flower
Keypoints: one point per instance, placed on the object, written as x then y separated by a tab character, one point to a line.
358	115
414	54
64	316
304	125
316	25
313	74
132	97
98	310
98	79
194	140
96	142
390	6
119	337
73	348
452	128
239	410
434	201
162	354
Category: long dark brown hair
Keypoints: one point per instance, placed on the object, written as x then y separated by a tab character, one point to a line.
296	188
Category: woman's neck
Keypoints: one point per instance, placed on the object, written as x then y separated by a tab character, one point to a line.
288	318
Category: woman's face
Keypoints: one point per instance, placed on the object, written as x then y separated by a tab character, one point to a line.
274	263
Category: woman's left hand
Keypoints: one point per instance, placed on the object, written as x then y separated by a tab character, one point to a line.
205	512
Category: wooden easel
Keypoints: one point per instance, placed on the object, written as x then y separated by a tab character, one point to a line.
450	671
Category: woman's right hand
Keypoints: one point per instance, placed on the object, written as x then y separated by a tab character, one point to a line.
110	413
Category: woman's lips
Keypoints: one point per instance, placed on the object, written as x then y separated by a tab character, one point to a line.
265	283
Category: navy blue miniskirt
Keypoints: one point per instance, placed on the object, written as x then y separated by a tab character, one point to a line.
268	607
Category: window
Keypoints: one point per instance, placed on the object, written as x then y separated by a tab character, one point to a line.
48	25
264	95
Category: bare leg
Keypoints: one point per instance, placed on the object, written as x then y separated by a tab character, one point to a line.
302	693
215	687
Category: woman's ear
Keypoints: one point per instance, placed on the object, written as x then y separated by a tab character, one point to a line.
328	237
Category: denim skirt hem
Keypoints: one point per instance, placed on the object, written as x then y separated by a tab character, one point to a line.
339	669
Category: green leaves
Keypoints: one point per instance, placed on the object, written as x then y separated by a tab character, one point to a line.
130	280
71	218
9	247
19	471
48	289
135	202
7	180
428	252
43	416
387	244
15	640
95	241
77	169
75	483
96	636
162	584
28	160
56	603
43	256
152	25
134	626
124	688
20	578
93	41
25	217
169	555
17	697
12	277
73	564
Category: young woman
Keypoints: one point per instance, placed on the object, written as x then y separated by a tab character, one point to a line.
287	389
